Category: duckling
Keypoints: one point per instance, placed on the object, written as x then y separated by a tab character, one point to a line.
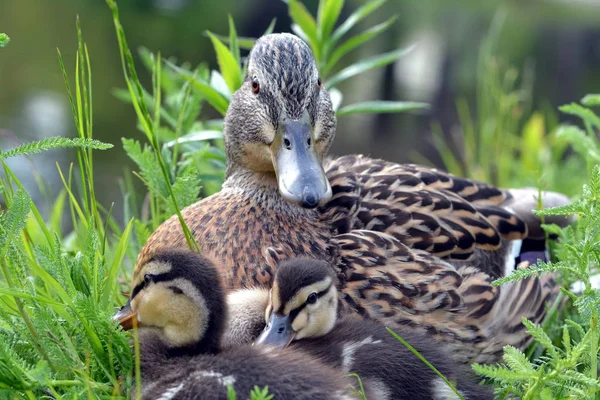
303	308
180	309
245	317
395	232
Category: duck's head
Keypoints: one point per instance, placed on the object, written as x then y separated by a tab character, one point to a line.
281	122
303	302
177	296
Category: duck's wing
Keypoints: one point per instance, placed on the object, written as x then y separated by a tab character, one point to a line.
383	278
422	207
387	280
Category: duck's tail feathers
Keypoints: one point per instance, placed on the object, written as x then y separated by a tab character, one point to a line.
530	298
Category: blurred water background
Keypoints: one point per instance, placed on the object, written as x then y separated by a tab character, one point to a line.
550	48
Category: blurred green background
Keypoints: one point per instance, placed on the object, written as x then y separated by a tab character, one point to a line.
550	48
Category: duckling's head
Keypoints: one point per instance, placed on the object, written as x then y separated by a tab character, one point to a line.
177	296
281	122
303	302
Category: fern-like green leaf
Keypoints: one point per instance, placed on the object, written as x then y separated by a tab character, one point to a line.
581	379
518	362
14	219
497	373
537	269
187	187
542	337
54	143
146	161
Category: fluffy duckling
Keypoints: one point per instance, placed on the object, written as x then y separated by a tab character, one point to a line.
180	309
303	308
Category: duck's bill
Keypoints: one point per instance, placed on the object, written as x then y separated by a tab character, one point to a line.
278	332
300	175
126	317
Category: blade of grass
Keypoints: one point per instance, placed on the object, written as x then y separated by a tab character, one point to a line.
434	369
354	18
234	47
144	118
367	64
306	22
356	41
378	107
327	15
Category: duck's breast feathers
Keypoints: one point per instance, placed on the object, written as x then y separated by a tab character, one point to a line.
422	207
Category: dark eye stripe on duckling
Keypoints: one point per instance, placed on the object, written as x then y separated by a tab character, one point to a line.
167	276
294	313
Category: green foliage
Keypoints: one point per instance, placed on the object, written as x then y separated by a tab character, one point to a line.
4	39
329	49
504	141
569	368
58	290
57	295
54	143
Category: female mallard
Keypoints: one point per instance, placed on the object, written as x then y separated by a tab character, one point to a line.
386	227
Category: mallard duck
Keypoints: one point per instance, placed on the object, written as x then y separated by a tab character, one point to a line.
303	308
180	309
390	230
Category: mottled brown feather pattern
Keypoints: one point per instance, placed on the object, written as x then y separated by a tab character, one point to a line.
385	229
424	208
411	245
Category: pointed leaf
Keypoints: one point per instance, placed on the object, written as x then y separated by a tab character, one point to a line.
271	27
329	11
365	65
230	68
301	17
376	107
213	96
218	83
244	42
354	18
234	48
198	136
356	41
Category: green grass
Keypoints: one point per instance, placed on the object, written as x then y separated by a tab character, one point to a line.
59	289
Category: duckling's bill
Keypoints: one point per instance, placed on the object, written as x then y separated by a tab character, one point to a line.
300	175
126	317
278	332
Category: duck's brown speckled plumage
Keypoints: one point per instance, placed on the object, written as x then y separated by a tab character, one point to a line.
392	230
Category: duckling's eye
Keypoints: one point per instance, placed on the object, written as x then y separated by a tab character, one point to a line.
148	278
312	298
176	290
319	83
255	86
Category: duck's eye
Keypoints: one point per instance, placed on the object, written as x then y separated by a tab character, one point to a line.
319	83
148	278
255	86
176	290
312	298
